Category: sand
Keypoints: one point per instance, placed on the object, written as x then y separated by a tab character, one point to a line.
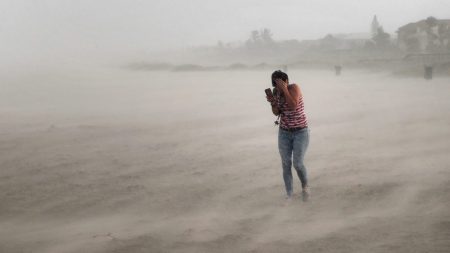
112	160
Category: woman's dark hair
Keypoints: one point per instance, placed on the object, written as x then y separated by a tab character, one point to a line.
279	74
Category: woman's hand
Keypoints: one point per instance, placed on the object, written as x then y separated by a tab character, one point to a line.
281	85
271	100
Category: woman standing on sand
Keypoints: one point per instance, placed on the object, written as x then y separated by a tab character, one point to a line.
293	134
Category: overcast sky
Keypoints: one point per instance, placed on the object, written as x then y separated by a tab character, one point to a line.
38	27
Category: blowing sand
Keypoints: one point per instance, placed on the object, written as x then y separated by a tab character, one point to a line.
121	161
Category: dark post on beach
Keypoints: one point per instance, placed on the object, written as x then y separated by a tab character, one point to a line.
337	69
428	74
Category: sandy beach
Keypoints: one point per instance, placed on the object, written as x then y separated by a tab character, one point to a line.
113	160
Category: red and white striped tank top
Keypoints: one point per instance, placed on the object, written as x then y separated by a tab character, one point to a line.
292	118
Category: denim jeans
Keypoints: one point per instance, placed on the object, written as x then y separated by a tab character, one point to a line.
292	147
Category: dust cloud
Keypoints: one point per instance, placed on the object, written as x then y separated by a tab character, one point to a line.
142	126
124	161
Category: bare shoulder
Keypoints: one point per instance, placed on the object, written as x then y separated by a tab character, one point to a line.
296	88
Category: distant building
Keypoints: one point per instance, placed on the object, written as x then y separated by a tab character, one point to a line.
339	41
428	35
351	40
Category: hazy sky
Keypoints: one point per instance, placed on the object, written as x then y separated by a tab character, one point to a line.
36	28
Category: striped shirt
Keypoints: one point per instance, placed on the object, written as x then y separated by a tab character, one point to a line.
292	118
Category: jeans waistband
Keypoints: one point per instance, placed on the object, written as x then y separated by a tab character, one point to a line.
295	129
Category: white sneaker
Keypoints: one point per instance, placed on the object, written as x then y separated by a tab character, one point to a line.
287	200
305	193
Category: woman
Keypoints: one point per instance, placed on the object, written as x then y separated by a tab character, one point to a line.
293	135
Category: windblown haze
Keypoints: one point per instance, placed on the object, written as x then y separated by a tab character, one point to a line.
55	32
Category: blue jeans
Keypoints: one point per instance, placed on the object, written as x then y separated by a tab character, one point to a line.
293	145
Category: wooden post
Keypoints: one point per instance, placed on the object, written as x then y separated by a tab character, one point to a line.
428	74
337	70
